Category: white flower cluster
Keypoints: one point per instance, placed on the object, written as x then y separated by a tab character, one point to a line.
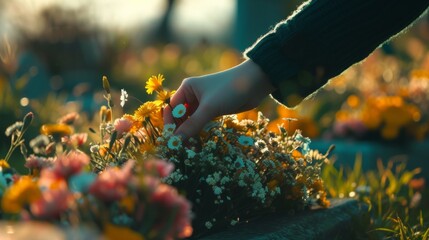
241	165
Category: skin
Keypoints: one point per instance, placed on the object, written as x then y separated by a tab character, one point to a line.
235	90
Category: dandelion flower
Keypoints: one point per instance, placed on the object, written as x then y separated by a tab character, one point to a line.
164	96
154	83
124	97
246	141
179	111
174	143
145	110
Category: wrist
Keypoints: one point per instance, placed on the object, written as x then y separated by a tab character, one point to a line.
257	76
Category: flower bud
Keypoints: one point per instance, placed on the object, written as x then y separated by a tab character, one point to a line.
106	84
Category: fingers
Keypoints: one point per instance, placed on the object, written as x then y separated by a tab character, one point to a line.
180	97
195	123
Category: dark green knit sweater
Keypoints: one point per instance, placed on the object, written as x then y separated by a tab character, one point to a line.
324	37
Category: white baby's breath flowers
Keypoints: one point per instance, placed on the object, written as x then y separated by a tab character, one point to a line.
169	128
239	163
211	145
94	148
191	153
124	97
217	190
208	225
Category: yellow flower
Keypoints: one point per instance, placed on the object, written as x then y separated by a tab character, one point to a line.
22	193
113	232
297	155
4	164
56	129
164	96
147	147
154	83
136	125
145	110
156	119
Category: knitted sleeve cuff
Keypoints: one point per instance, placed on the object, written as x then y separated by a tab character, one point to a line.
325	37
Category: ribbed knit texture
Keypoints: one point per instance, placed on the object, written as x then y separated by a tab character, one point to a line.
324	37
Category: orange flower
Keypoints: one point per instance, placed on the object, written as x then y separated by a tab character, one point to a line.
154	83
56	129
297	155
20	194
4	164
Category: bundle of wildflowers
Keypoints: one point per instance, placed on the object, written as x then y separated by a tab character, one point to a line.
123	197
235	169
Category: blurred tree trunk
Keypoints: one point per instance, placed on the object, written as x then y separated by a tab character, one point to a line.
163	33
256	17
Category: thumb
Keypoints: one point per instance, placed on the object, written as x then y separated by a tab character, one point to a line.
192	126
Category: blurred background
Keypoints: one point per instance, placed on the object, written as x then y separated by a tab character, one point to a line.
54	54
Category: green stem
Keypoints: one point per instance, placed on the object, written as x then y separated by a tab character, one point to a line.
13	146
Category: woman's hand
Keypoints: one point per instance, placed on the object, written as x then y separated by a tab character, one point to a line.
235	90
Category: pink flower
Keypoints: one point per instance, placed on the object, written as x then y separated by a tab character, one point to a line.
75	140
111	185
122	125
70	164
160	167
69	119
170	202
54	201
34	161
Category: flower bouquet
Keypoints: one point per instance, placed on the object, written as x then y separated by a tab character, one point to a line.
125	200
233	171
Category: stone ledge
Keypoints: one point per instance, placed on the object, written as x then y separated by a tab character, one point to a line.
343	220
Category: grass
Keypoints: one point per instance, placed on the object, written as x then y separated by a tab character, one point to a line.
396	210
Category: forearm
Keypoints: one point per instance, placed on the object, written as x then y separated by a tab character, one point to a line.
325	37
